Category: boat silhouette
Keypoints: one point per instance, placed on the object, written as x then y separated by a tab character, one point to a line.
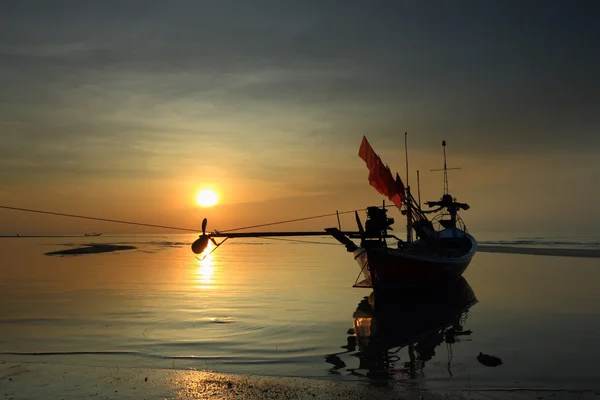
440	250
417	322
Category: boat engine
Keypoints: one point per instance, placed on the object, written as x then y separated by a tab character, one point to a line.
377	223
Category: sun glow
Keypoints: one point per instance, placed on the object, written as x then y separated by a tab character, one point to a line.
207	198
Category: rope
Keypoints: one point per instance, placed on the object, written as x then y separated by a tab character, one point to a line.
116	221
99	219
290	220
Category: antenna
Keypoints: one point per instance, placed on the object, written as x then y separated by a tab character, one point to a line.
445	169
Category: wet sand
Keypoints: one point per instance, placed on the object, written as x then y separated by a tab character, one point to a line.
57	381
539	251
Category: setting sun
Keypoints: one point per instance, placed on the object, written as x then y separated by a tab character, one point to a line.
206	198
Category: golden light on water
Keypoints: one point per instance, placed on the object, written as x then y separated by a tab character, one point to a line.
207	198
207	251
205	271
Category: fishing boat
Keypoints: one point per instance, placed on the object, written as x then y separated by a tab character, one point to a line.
93	234
441	250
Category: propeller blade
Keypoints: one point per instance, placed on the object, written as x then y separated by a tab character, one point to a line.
214	241
204	222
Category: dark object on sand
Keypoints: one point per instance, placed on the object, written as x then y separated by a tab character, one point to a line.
489	361
90	249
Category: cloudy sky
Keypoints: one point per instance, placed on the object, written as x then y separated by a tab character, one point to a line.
123	109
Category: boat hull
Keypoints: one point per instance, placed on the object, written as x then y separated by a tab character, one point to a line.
390	268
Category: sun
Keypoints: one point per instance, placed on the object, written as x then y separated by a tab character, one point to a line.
206	198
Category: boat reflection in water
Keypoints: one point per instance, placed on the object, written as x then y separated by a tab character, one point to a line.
418	322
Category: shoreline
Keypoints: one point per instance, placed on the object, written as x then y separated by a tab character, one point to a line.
47	380
539	251
482	248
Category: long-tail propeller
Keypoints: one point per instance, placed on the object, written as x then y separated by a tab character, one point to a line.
200	244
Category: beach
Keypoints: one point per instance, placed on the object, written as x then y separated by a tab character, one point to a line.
36	381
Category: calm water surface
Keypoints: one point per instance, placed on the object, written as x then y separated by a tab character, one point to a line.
279	308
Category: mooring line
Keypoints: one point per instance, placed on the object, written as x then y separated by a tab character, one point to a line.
99	219
291	220
116	221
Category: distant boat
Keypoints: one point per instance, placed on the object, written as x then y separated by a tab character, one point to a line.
93	234
442	251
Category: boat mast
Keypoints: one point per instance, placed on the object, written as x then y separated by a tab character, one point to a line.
409	235
445	169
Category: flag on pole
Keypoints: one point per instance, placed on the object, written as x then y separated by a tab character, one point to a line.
380	176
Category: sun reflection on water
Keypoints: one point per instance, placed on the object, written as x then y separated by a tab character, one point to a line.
204	273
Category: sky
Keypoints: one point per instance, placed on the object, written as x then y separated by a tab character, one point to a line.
124	110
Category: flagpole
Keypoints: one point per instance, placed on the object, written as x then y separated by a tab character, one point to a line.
408	203
419	188
406	156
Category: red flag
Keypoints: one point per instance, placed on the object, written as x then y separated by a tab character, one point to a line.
397	200
380	176
399	194
382	180
400	185
366	153
388	179
377	176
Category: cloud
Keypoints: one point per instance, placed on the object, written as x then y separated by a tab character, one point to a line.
283	93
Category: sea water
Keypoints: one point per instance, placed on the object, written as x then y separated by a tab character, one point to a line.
281	308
